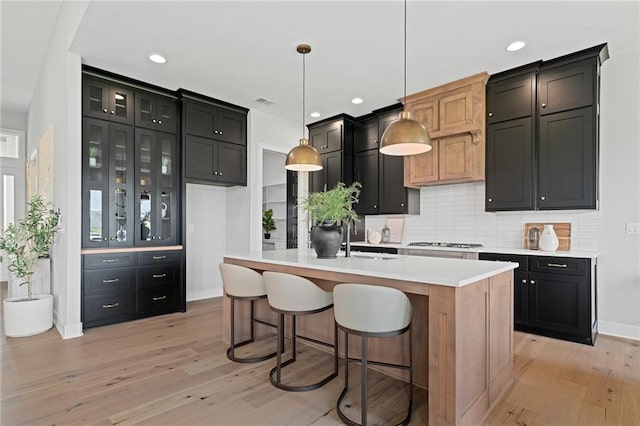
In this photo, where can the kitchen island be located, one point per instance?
(462, 320)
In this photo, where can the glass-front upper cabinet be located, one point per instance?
(107, 100)
(156, 188)
(107, 169)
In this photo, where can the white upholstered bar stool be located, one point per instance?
(371, 311)
(242, 283)
(293, 295)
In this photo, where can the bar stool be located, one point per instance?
(371, 311)
(242, 283)
(293, 295)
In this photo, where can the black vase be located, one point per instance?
(326, 240)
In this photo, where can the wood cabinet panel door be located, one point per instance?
(231, 127)
(199, 120)
(567, 156)
(393, 194)
(366, 135)
(421, 169)
(455, 158)
(456, 110)
(426, 111)
(199, 153)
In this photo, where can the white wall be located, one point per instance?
(57, 105)
(13, 119)
(205, 240)
(266, 132)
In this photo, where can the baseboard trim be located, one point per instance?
(619, 330)
(67, 331)
(206, 294)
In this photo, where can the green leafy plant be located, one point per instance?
(334, 206)
(93, 151)
(29, 239)
(268, 224)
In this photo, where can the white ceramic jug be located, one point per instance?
(548, 239)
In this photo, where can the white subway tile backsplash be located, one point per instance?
(456, 213)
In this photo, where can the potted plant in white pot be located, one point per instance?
(22, 244)
(328, 211)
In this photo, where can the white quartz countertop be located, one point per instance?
(502, 250)
(428, 270)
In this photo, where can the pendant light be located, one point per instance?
(304, 157)
(405, 136)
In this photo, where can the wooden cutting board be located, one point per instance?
(562, 230)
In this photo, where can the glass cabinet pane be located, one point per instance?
(167, 160)
(96, 157)
(145, 165)
(96, 98)
(145, 215)
(145, 109)
(166, 216)
(120, 102)
(95, 215)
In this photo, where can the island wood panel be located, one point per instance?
(464, 346)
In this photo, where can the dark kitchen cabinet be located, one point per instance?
(119, 287)
(366, 172)
(215, 122)
(107, 100)
(215, 141)
(366, 134)
(554, 296)
(542, 143)
(156, 112)
(393, 196)
(156, 188)
(333, 138)
(107, 184)
(208, 161)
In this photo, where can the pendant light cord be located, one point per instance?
(405, 52)
(303, 92)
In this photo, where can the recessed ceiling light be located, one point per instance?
(157, 58)
(356, 101)
(315, 114)
(516, 45)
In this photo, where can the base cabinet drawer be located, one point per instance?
(108, 308)
(158, 298)
(108, 281)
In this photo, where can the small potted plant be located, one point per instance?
(93, 154)
(268, 224)
(328, 211)
(22, 244)
(165, 164)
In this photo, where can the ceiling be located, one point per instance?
(240, 51)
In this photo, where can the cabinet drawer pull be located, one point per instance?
(159, 257)
(110, 260)
(160, 122)
(524, 281)
(532, 282)
(112, 305)
(115, 280)
(153, 121)
(490, 114)
(159, 275)
(155, 299)
(557, 265)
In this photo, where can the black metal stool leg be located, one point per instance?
(231, 354)
(363, 380)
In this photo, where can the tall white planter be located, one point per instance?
(548, 239)
(28, 317)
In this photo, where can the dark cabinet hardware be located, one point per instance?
(112, 305)
(159, 257)
(155, 299)
(114, 280)
(557, 265)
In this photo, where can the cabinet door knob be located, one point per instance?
(375, 206)
(401, 204)
(376, 142)
(490, 200)
(524, 281)
(215, 131)
(490, 114)
(544, 105)
(220, 173)
(112, 238)
(105, 110)
(160, 122)
(543, 198)
(532, 282)
(153, 120)
(105, 238)
(215, 173)
(112, 112)
(220, 131)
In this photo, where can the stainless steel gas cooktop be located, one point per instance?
(443, 244)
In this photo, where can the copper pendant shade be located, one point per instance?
(405, 136)
(304, 157)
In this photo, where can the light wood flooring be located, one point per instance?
(172, 370)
